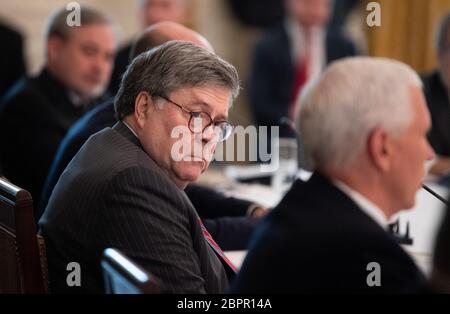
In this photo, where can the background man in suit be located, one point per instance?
(440, 278)
(149, 12)
(230, 221)
(437, 87)
(11, 58)
(124, 188)
(37, 113)
(288, 56)
(364, 125)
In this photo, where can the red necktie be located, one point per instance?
(216, 247)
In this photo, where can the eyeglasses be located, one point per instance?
(199, 121)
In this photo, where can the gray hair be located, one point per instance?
(338, 111)
(169, 67)
(442, 33)
(57, 23)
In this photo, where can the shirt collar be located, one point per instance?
(296, 35)
(369, 208)
(129, 127)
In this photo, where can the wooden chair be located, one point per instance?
(23, 265)
(122, 276)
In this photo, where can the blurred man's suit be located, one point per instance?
(272, 78)
(318, 240)
(34, 117)
(111, 167)
(441, 256)
(224, 217)
(12, 62)
(439, 105)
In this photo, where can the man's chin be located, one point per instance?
(191, 170)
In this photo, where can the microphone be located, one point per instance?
(443, 200)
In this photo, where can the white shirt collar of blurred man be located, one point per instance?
(296, 37)
(369, 208)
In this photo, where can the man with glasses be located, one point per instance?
(124, 188)
(230, 221)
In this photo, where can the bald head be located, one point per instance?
(163, 32)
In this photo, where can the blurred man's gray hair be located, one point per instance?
(169, 67)
(57, 22)
(353, 96)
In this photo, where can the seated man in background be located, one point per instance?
(288, 56)
(230, 221)
(149, 12)
(437, 88)
(124, 188)
(364, 126)
(37, 112)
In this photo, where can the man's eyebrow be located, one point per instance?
(206, 108)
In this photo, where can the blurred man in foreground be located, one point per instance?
(364, 126)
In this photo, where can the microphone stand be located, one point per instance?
(443, 200)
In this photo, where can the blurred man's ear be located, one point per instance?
(54, 47)
(379, 149)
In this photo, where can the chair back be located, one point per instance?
(23, 267)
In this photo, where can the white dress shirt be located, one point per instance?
(296, 37)
(369, 208)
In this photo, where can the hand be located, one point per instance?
(259, 212)
(441, 166)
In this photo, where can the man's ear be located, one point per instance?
(54, 47)
(379, 149)
(142, 105)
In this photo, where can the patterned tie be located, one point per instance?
(216, 247)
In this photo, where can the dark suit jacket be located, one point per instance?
(120, 66)
(34, 117)
(318, 240)
(273, 74)
(12, 63)
(442, 247)
(224, 217)
(112, 194)
(439, 106)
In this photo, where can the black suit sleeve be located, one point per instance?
(265, 104)
(11, 60)
(212, 204)
(232, 233)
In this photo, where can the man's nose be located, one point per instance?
(209, 134)
(431, 153)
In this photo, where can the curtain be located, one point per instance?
(407, 31)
